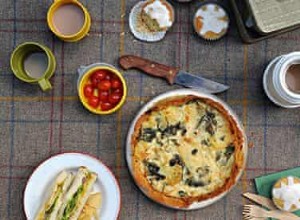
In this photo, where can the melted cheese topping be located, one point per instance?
(185, 150)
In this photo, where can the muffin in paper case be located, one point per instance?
(139, 29)
(211, 21)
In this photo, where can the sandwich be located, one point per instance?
(69, 195)
(77, 195)
(51, 207)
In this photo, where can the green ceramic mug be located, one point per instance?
(18, 59)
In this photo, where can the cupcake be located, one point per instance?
(211, 21)
(158, 15)
(149, 20)
(286, 194)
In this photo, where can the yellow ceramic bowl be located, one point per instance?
(69, 38)
(85, 78)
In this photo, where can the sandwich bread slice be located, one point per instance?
(77, 195)
(51, 207)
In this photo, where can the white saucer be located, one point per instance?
(39, 183)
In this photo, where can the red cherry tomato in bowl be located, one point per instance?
(114, 98)
(116, 83)
(118, 91)
(88, 90)
(108, 77)
(104, 85)
(103, 96)
(97, 76)
(94, 82)
(105, 106)
(93, 101)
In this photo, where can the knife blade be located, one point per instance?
(171, 74)
(265, 202)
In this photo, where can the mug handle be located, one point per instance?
(81, 70)
(45, 84)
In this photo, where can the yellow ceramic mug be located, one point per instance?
(58, 5)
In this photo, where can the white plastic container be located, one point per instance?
(274, 81)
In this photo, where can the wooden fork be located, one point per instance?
(252, 211)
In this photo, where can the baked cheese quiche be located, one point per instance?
(186, 149)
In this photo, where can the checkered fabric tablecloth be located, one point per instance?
(35, 125)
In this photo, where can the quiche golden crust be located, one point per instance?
(186, 149)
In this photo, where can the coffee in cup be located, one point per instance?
(33, 63)
(292, 78)
(282, 80)
(36, 64)
(69, 20)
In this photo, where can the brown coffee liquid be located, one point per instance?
(68, 19)
(292, 78)
(36, 64)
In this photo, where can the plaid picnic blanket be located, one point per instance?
(35, 125)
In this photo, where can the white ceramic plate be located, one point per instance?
(182, 92)
(37, 188)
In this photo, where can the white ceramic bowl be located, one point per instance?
(181, 92)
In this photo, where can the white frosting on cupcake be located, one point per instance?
(289, 194)
(211, 16)
(159, 12)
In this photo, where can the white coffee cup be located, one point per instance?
(275, 84)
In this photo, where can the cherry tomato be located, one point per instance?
(95, 82)
(114, 98)
(97, 76)
(104, 85)
(116, 83)
(103, 96)
(88, 90)
(108, 77)
(118, 91)
(105, 106)
(93, 101)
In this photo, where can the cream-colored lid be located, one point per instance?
(158, 11)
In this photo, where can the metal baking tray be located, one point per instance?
(274, 15)
(242, 12)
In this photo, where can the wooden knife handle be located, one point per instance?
(149, 67)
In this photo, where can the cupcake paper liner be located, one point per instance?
(212, 39)
(138, 29)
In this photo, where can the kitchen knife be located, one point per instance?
(171, 74)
